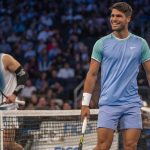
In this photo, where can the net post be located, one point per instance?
(1, 130)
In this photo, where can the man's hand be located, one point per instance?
(10, 99)
(85, 112)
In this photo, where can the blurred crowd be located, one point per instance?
(53, 40)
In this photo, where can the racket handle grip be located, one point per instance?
(20, 102)
(84, 125)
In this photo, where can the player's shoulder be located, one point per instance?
(7, 58)
(2, 55)
(138, 38)
(104, 38)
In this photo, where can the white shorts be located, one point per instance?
(9, 122)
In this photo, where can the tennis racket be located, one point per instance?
(16, 101)
(83, 132)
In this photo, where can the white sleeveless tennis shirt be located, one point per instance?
(8, 83)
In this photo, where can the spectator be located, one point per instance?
(31, 104)
(42, 103)
(28, 89)
(66, 72)
(67, 106)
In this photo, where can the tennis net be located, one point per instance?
(60, 130)
(50, 130)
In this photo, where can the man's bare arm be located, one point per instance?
(91, 76)
(14, 66)
(89, 87)
(10, 63)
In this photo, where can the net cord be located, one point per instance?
(45, 112)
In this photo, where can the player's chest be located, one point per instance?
(122, 50)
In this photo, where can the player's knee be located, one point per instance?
(19, 147)
(130, 145)
(12, 146)
(95, 148)
(103, 145)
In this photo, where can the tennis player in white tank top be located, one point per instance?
(12, 80)
(8, 84)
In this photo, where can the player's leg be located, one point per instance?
(9, 140)
(107, 123)
(104, 138)
(131, 125)
(9, 133)
(130, 138)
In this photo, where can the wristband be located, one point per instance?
(86, 99)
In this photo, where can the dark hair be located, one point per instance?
(123, 7)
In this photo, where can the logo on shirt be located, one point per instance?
(132, 47)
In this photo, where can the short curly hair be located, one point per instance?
(123, 7)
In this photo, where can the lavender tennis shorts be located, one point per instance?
(122, 117)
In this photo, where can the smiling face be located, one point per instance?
(119, 21)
